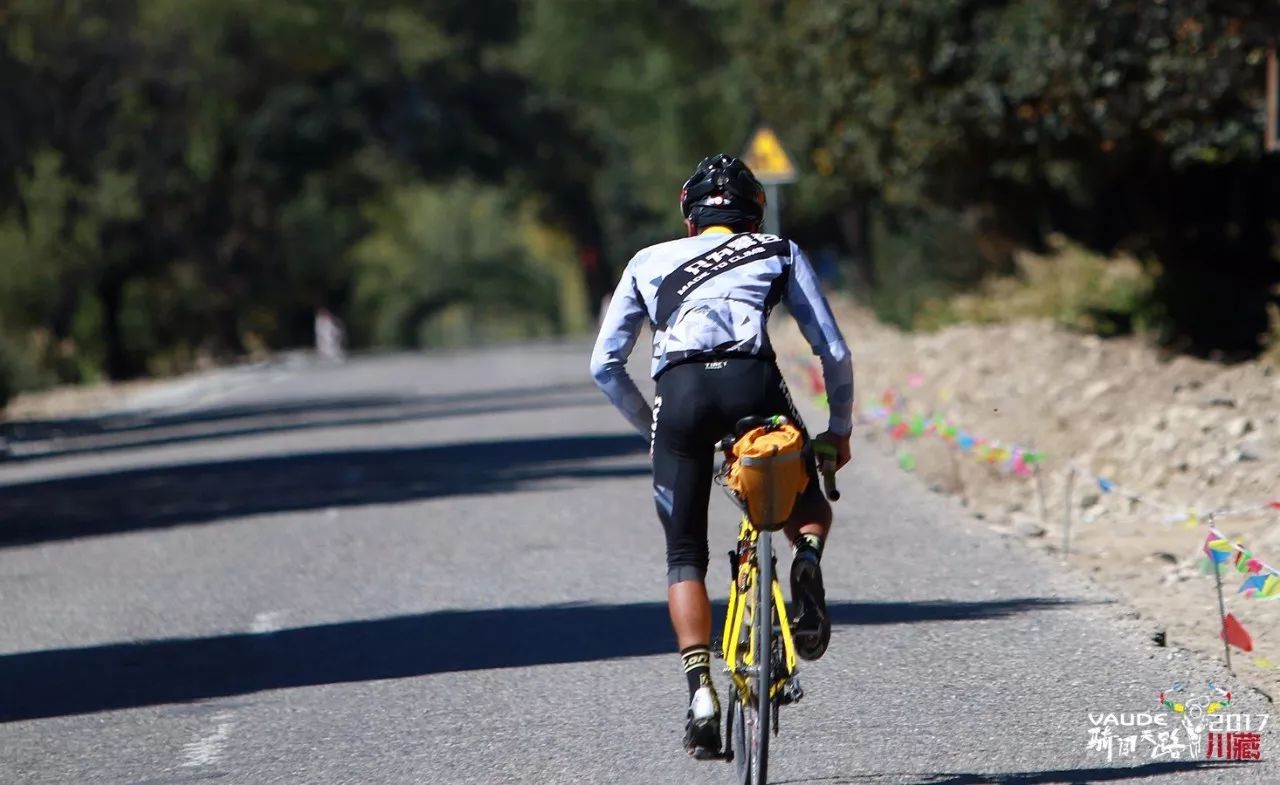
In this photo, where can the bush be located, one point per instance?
(1070, 285)
(462, 263)
(922, 256)
(18, 370)
(7, 382)
(1271, 338)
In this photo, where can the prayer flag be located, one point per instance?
(1234, 633)
(1217, 549)
(1252, 585)
(1242, 559)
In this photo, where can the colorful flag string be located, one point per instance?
(1177, 513)
(891, 413)
(1107, 486)
(1261, 581)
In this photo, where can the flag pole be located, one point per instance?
(1066, 513)
(1222, 612)
(956, 477)
(1039, 480)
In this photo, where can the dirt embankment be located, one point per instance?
(74, 401)
(1182, 433)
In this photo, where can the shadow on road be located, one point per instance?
(154, 497)
(938, 610)
(33, 440)
(1047, 777)
(118, 676)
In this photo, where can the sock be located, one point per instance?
(697, 666)
(808, 544)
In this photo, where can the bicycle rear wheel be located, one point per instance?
(764, 661)
(749, 732)
(740, 733)
(750, 714)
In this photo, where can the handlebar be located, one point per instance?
(827, 468)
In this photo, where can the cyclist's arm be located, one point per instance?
(809, 307)
(617, 337)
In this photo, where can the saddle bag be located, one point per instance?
(768, 474)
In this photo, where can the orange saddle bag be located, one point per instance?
(768, 474)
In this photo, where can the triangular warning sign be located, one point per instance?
(767, 159)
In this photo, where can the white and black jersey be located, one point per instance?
(710, 297)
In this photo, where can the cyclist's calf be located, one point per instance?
(812, 515)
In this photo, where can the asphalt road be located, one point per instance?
(447, 568)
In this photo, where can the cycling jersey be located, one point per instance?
(708, 297)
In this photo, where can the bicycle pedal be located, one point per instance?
(792, 692)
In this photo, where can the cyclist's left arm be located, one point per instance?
(808, 306)
(618, 332)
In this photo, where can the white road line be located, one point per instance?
(266, 623)
(208, 750)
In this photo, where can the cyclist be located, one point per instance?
(708, 297)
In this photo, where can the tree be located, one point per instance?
(1124, 123)
(656, 88)
(189, 180)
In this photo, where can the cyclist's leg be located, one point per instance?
(807, 529)
(683, 465)
(812, 513)
(811, 516)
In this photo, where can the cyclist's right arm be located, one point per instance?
(813, 315)
(618, 332)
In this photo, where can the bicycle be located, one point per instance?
(757, 654)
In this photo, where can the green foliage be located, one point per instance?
(944, 101)
(19, 368)
(919, 256)
(1122, 124)
(656, 88)
(1071, 286)
(191, 180)
(459, 263)
(1271, 338)
(46, 258)
(9, 372)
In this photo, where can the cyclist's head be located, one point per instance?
(722, 192)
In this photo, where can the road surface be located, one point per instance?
(447, 568)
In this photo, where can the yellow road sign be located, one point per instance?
(767, 159)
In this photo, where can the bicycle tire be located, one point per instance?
(741, 743)
(764, 660)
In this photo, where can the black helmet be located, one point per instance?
(723, 186)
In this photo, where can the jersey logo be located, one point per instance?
(733, 253)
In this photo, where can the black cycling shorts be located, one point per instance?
(696, 405)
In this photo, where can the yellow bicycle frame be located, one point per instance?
(740, 610)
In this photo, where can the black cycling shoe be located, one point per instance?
(702, 728)
(810, 625)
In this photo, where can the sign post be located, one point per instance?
(773, 169)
